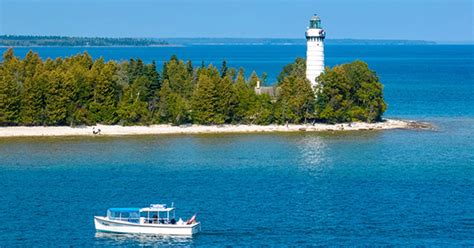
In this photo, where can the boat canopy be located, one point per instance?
(157, 208)
(152, 208)
(124, 210)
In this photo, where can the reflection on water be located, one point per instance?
(143, 239)
(313, 153)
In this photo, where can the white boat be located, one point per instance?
(156, 219)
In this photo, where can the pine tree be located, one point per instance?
(295, 103)
(165, 95)
(103, 105)
(253, 80)
(33, 99)
(244, 99)
(203, 101)
(57, 98)
(224, 100)
(224, 69)
(133, 107)
(10, 83)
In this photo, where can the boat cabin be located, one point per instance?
(155, 214)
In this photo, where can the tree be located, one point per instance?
(57, 98)
(33, 99)
(204, 100)
(295, 102)
(10, 83)
(133, 107)
(224, 101)
(297, 68)
(350, 92)
(179, 76)
(253, 80)
(224, 69)
(103, 105)
(172, 107)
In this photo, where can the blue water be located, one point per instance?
(398, 187)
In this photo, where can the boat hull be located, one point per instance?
(102, 224)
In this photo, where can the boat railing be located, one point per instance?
(152, 220)
(127, 219)
(144, 220)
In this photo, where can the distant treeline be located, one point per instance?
(289, 41)
(78, 90)
(20, 40)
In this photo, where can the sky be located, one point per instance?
(434, 20)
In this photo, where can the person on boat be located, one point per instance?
(155, 218)
(192, 220)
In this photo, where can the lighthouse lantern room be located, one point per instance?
(314, 49)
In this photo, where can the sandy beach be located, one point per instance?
(116, 130)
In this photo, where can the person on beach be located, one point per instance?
(95, 131)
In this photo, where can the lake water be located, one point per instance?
(398, 187)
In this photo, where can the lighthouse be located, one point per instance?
(314, 49)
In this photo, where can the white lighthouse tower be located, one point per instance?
(314, 49)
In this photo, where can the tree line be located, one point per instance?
(79, 90)
(32, 40)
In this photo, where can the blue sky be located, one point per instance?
(438, 20)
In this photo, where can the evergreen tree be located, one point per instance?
(172, 107)
(180, 78)
(103, 105)
(165, 96)
(10, 83)
(297, 69)
(253, 80)
(224, 101)
(224, 69)
(133, 107)
(33, 99)
(295, 102)
(57, 99)
(245, 98)
(204, 97)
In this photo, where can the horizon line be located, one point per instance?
(249, 38)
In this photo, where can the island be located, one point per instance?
(66, 41)
(78, 95)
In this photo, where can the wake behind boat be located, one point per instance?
(156, 219)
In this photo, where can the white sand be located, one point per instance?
(115, 130)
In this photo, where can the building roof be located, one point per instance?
(315, 17)
(270, 90)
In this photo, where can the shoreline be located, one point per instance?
(116, 130)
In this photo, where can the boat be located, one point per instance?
(155, 219)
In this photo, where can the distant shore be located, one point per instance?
(116, 130)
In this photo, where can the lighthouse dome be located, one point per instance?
(315, 22)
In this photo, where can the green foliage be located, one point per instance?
(78, 90)
(350, 92)
(297, 69)
(103, 105)
(208, 102)
(295, 103)
(29, 40)
(10, 85)
(296, 100)
(173, 108)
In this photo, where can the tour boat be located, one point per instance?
(155, 219)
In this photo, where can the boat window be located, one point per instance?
(163, 215)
